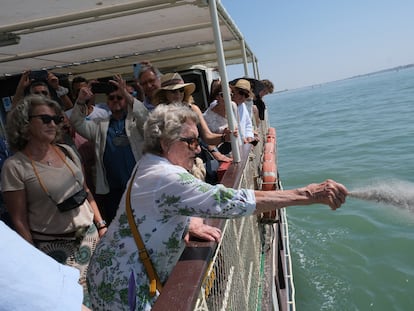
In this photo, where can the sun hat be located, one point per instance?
(170, 82)
(243, 85)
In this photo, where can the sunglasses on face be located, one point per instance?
(241, 93)
(192, 142)
(112, 97)
(46, 119)
(181, 90)
(44, 93)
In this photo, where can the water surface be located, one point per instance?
(359, 132)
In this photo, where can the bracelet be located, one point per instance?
(101, 224)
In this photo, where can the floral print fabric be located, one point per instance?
(163, 197)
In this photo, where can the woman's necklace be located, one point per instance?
(48, 161)
(41, 180)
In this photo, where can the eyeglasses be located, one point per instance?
(241, 93)
(181, 90)
(46, 119)
(44, 93)
(192, 142)
(112, 97)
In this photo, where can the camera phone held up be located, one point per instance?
(103, 88)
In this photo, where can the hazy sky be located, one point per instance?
(306, 42)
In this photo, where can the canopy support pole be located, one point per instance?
(235, 148)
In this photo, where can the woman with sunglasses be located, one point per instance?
(241, 92)
(43, 187)
(163, 195)
(174, 90)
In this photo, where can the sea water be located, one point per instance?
(359, 132)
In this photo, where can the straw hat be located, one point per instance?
(243, 85)
(170, 82)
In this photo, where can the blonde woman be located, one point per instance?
(44, 187)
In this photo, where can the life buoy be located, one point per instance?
(269, 175)
(269, 152)
(270, 156)
(269, 148)
(270, 138)
(269, 183)
(271, 135)
(271, 131)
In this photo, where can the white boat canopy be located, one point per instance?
(96, 38)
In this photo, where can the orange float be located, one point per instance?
(269, 152)
(270, 138)
(269, 172)
(269, 175)
(270, 156)
(271, 131)
(269, 148)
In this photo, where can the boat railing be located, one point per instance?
(245, 271)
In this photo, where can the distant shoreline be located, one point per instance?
(381, 71)
(353, 77)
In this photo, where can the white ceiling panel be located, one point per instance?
(99, 38)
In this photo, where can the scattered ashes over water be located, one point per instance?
(390, 192)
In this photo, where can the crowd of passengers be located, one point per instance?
(71, 166)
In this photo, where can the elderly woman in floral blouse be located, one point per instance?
(163, 197)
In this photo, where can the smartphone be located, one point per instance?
(103, 87)
(7, 103)
(137, 68)
(38, 75)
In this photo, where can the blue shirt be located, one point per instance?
(118, 157)
(147, 103)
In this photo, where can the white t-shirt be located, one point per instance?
(98, 112)
(245, 121)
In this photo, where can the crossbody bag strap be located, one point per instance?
(40, 179)
(155, 282)
(66, 152)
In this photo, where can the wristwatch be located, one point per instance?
(101, 224)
